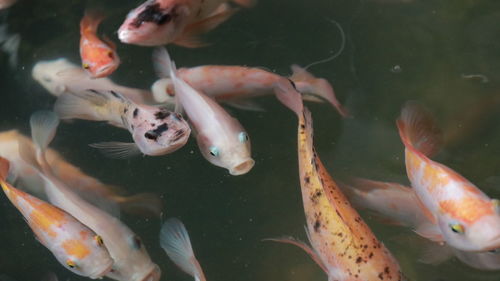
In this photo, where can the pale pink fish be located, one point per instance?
(160, 22)
(468, 219)
(221, 138)
(155, 130)
(73, 244)
(131, 260)
(236, 85)
(60, 76)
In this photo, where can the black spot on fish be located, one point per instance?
(293, 83)
(161, 129)
(179, 134)
(153, 13)
(125, 110)
(154, 134)
(316, 226)
(115, 94)
(359, 260)
(136, 111)
(307, 179)
(151, 135)
(381, 276)
(162, 114)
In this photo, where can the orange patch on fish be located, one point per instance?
(75, 248)
(467, 209)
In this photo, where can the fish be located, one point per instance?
(467, 218)
(60, 76)
(342, 243)
(9, 43)
(89, 188)
(131, 259)
(99, 58)
(74, 245)
(161, 22)
(174, 239)
(155, 130)
(4, 4)
(221, 139)
(237, 85)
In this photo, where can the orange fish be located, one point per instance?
(98, 58)
(73, 244)
(468, 219)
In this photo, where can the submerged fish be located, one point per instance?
(221, 138)
(98, 58)
(160, 22)
(73, 244)
(4, 4)
(236, 85)
(131, 260)
(9, 43)
(60, 76)
(174, 239)
(156, 131)
(468, 219)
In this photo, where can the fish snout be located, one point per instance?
(242, 168)
(102, 270)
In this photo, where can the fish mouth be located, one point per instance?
(98, 274)
(242, 168)
(125, 35)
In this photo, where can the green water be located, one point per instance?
(394, 52)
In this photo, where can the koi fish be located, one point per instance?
(98, 58)
(235, 85)
(161, 22)
(467, 218)
(73, 244)
(342, 244)
(221, 138)
(60, 76)
(174, 239)
(156, 131)
(131, 260)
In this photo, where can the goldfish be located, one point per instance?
(467, 218)
(236, 85)
(221, 138)
(131, 260)
(60, 76)
(155, 130)
(174, 239)
(73, 244)
(98, 58)
(161, 22)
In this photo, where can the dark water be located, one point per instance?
(395, 51)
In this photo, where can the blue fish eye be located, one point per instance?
(243, 137)
(214, 151)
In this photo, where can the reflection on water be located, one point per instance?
(395, 51)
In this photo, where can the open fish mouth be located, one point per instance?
(242, 168)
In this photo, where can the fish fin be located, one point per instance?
(370, 185)
(435, 253)
(4, 168)
(427, 213)
(308, 84)
(81, 106)
(49, 276)
(430, 231)
(174, 239)
(310, 251)
(101, 202)
(165, 67)
(288, 95)
(418, 129)
(245, 3)
(311, 98)
(43, 128)
(11, 47)
(117, 150)
(144, 204)
(245, 104)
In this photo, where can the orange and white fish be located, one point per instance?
(342, 243)
(160, 22)
(236, 85)
(467, 218)
(98, 58)
(73, 244)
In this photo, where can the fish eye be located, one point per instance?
(70, 263)
(86, 65)
(47, 79)
(243, 137)
(496, 205)
(162, 19)
(110, 54)
(137, 243)
(214, 151)
(457, 228)
(98, 240)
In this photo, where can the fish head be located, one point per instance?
(160, 131)
(99, 61)
(480, 234)
(163, 91)
(154, 23)
(48, 74)
(232, 152)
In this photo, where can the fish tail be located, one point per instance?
(288, 95)
(90, 21)
(174, 239)
(165, 67)
(308, 84)
(418, 130)
(43, 129)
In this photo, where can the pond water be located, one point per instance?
(445, 54)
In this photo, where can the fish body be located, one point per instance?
(4, 4)
(98, 58)
(468, 219)
(237, 84)
(221, 138)
(60, 76)
(73, 244)
(156, 131)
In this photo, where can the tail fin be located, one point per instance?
(307, 84)
(174, 239)
(90, 21)
(4, 168)
(288, 95)
(84, 105)
(165, 67)
(43, 128)
(418, 130)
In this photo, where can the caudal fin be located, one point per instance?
(174, 239)
(88, 105)
(418, 130)
(90, 21)
(43, 128)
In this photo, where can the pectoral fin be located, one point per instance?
(117, 150)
